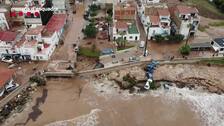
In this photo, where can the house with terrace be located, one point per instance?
(37, 43)
(124, 23)
(186, 19)
(40, 42)
(156, 19)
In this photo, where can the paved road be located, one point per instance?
(73, 32)
(140, 63)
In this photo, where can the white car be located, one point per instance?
(11, 86)
(2, 92)
(7, 60)
(147, 85)
(142, 44)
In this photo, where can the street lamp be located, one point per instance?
(146, 41)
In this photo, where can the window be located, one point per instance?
(130, 37)
(222, 49)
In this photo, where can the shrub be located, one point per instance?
(153, 85)
(94, 13)
(159, 38)
(185, 49)
(39, 80)
(175, 38)
(130, 80)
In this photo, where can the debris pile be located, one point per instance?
(16, 105)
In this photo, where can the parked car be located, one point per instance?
(2, 92)
(7, 60)
(134, 59)
(114, 62)
(11, 86)
(76, 49)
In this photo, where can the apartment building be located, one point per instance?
(186, 19)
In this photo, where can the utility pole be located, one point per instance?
(146, 41)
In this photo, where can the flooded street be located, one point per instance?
(78, 102)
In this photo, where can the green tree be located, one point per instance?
(110, 12)
(185, 49)
(90, 31)
(219, 4)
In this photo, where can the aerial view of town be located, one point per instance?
(111, 62)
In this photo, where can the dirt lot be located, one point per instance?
(100, 44)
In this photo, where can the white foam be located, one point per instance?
(84, 120)
(209, 106)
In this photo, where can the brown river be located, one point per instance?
(80, 102)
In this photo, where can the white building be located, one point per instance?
(218, 45)
(124, 23)
(186, 19)
(128, 31)
(7, 42)
(37, 44)
(3, 19)
(156, 19)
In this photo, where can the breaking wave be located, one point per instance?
(84, 120)
(209, 106)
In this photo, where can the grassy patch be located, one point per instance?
(206, 9)
(123, 48)
(89, 52)
(217, 24)
(203, 28)
(214, 61)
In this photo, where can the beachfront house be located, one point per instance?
(186, 20)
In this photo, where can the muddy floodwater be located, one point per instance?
(65, 102)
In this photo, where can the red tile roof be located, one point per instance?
(121, 25)
(7, 36)
(154, 20)
(124, 12)
(163, 12)
(186, 9)
(56, 22)
(5, 75)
